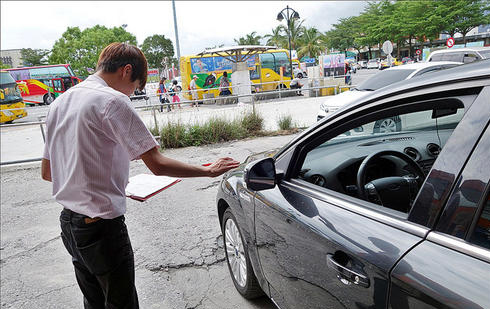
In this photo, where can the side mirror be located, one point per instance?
(260, 175)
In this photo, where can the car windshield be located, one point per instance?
(384, 78)
(412, 122)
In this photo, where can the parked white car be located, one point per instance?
(463, 55)
(373, 63)
(380, 80)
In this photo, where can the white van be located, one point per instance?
(463, 55)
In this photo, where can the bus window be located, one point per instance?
(39, 73)
(282, 60)
(58, 71)
(267, 61)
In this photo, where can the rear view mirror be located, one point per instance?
(260, 175)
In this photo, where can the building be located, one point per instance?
(11, 57)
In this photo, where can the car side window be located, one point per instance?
(384, 161)
(481, 233)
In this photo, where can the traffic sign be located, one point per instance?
(450, 42)
(387, 47)
(418, 52)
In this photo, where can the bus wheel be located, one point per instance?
(48, 98)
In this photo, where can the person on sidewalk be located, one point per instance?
(193, 89)
(224, 85)
(174, 93)
(93, 132)
(296, 84)
(162, 90)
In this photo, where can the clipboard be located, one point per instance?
(143, 186)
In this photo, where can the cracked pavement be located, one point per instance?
(179, 257)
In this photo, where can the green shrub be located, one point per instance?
(285, 122)
(252, 122)
(214, 130)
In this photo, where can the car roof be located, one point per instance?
(422, 65)
(454, 50)
(477, 70)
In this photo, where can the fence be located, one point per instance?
(217, 100)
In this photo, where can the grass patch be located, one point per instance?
(215, 130)
(285, 122)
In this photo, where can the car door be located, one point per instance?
(450, 269)
(323, 248)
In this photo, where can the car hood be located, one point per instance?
(345, 98)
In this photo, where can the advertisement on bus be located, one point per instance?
(43, 84)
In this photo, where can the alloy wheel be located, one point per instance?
(235, 252)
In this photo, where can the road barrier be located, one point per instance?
(230, 99)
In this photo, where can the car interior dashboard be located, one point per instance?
(335, 166)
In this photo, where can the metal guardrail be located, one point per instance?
(225, 99)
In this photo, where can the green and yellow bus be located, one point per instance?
(11, 104)
(264, 67)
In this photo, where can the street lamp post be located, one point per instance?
(288, 14)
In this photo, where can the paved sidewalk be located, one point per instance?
(19, 143)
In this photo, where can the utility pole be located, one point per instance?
(176, 32)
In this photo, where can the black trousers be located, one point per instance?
(103, 259)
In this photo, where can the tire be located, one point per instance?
(48, 98)
(300, 75)
(392, 124)
(179, 89)
(237, 258)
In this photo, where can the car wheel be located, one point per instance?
(300, 75)
(179, 89)
(237, 258)
(48, 98)
(388, 125)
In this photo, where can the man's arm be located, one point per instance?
(161, 165)
(46, 170)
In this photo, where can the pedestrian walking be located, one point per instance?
(162, 90)
(224, 85)
(93, 132)
(174, 93)
(193, 89)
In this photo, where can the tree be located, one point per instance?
(81, 49)
(32, 57)
(311, 43)
(463, 15)
(249, 39)
(156, 48)
(277, 37)
(296, 31)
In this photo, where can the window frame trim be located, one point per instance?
(459, 245)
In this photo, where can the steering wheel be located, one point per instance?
(394, 192)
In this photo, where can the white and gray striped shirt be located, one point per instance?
(92, 134)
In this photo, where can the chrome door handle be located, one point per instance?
(346, 275)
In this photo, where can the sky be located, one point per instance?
(201, 24)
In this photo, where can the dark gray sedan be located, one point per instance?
(345, 216)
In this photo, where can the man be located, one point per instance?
(296, 84)
(193, 88)
(92, 134)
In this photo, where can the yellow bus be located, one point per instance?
(263, 67)
(10, 98)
